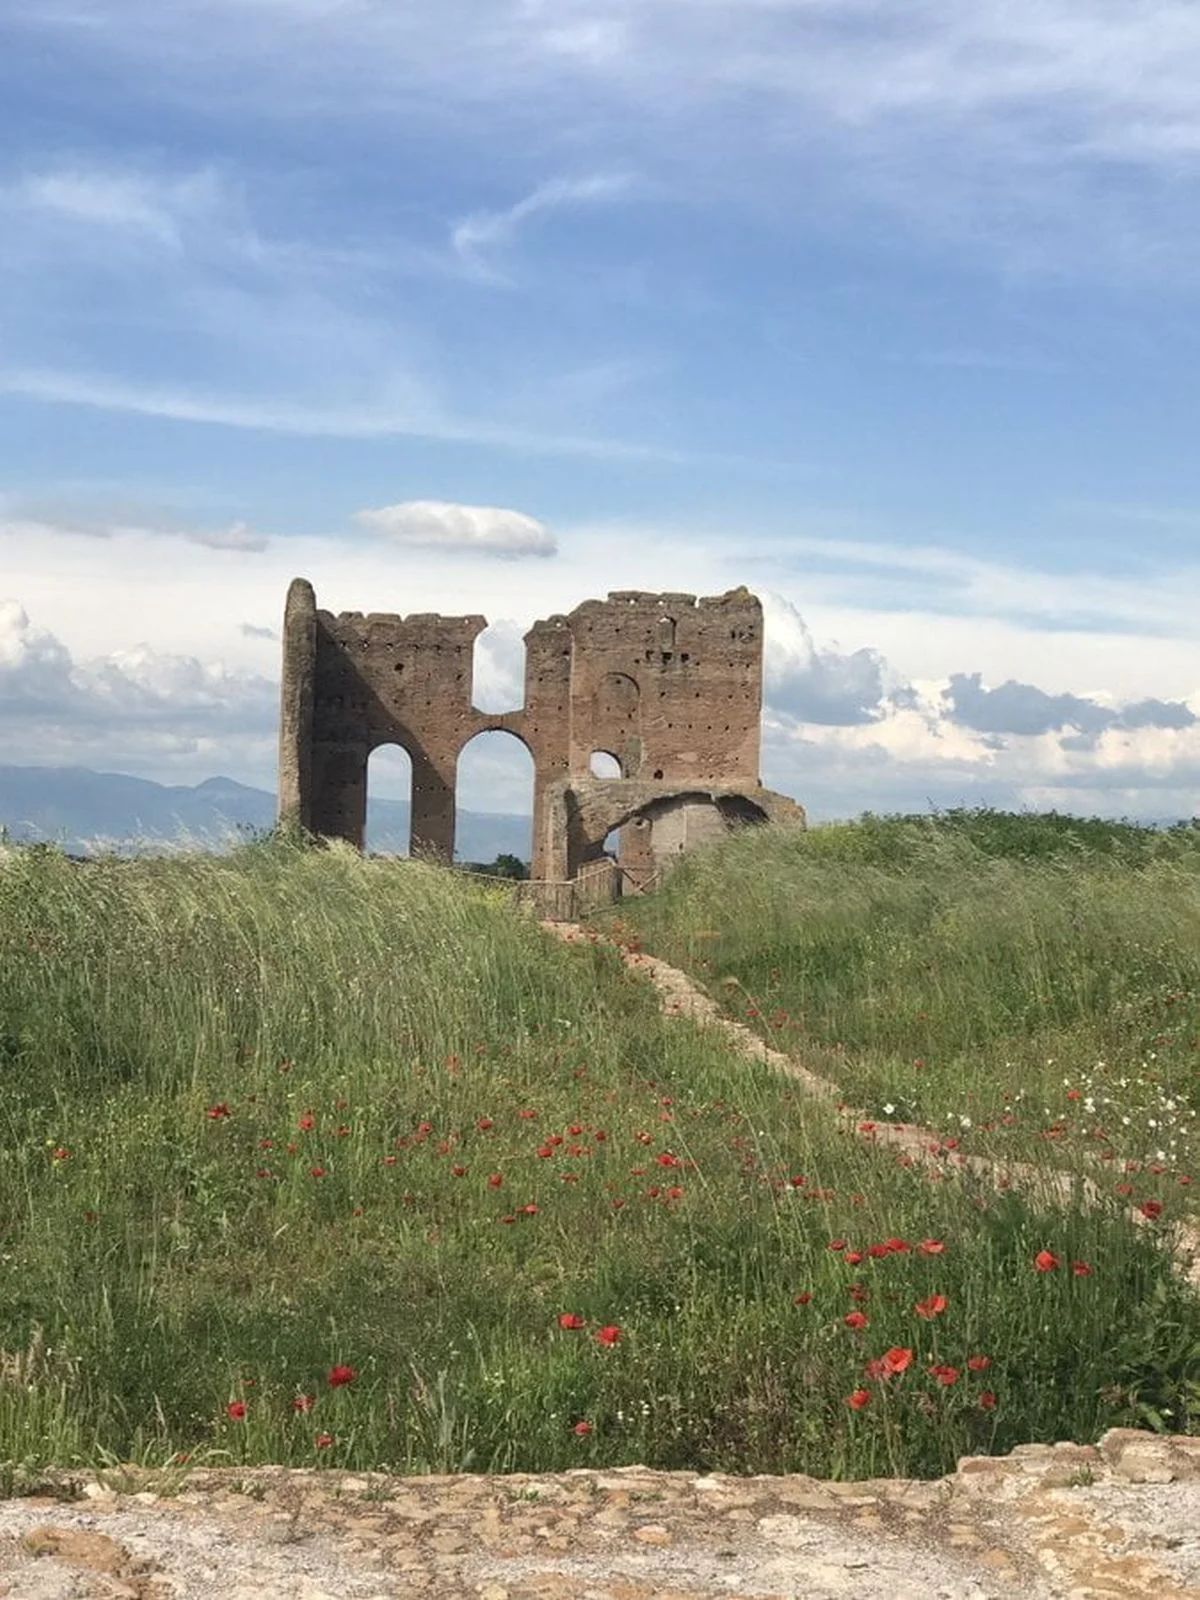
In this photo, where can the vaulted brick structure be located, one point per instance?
(667, 686)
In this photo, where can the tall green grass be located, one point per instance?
(270, 1115)
(1022, 984)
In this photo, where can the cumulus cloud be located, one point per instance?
(812, 684)
(499, 683)
(443, 525)
(1022, 708)
(139, 708)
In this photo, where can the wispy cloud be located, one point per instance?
(478, 237)
(366, 420)
(34, 520)
(998, 120)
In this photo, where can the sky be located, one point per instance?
(889, 312)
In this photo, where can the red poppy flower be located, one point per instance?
(390, 1161)
(484, 1124)
(581, 1430)
(878, 1251)
(307, 1122)
(575, 1129)
(859, 1400)
(979, 1363)
(932, 1247)
(1151, 1208)
(459, 1172)
(496, 1179)
(569, 1319)
(803, 1299)
(945, 1375)
(1081, 1269)
(217, 1112)
(236, 1410)
(527, 1116)
(837, 1244)
(856, 1319)
(316, 1172)
(987, 1401)
(1046, 1261)
(324, 1441)
(897, 1360)
(303, 1402)
(854, 1257)
(341, 1375)
(897, 1246)
(609, 1335)
(530, 1210)
(931, 1307)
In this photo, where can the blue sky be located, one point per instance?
(886, 311)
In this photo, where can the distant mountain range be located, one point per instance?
(83, 811)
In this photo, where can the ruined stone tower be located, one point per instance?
(668, 686)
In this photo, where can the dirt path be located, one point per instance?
(1118, 1519)
(682, 997)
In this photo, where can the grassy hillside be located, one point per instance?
(1027, 986)
(309, 1158)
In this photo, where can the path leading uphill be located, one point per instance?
(681, 997)
(1046, 1523)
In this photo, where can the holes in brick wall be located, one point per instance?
(603, 764)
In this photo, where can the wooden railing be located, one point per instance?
(599, 884)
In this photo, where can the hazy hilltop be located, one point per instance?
(78, 809)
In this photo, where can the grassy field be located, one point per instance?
(1025, 986)
(306, 1158)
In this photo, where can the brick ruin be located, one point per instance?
(668, 686)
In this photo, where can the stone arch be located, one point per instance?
(386, 830)
(487, 762)
(654, 827)
(617, 698)
(606, 766)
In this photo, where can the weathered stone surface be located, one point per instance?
(1010, 1527)
(668, 686)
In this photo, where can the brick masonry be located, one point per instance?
(667, 686)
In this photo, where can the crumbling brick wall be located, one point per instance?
(668, 685)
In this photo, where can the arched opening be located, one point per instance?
(494, 827)
(389, 802)
(603, 764)
(498, 669)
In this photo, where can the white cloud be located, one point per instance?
(814, 684)
(376, 417)
(903, 750)
(154, 208)
(34, 521)
(485, 232)
(1002, 122)
(442, 525)
(137, 709)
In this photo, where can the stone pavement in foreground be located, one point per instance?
(1079, 1521)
